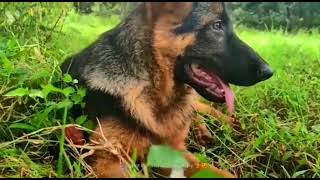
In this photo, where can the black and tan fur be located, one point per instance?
(134, 82)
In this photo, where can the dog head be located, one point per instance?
(199, 40)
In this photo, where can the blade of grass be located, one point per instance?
(61, 144)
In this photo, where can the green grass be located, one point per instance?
(82, 30)
(280, 118)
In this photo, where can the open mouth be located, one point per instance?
(212, 84)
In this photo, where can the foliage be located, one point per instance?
(276, 15)
(105, 8)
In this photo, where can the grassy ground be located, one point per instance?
(280, 118)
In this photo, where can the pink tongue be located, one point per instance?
(229, 96)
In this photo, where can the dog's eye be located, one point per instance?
(217, 25)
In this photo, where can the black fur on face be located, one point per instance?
(218, 50)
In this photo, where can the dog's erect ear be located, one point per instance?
(217, 7)
(162, 18)
(172, 12)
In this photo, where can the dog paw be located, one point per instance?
(202, 135)
(234, 122)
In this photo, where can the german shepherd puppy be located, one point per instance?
(142, 77)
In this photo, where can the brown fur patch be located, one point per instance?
(106, 164)
(174, 11)
(167, 46)
(201, 133)
(217, 7)
(161, 119)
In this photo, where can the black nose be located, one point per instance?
(265, 73)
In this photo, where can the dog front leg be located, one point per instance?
(207, 109)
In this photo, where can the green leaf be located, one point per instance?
(76, 98)
(36, 93)
(89, 125)
(287, 155)
(40, 74)
(65, 103)
(22, 126)
(67, 78)
(75, 81)
(134, 172)
(6, 64)
(81, 92)
(316, 128)
(80, 120)
(206, 173)
(68, 90)
(166, 157)
(134, 157)
(77, 168)
(10, 18)
(296, 174)
(48, 88)
(19, 92)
